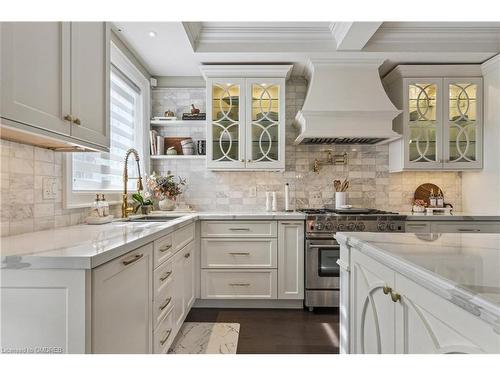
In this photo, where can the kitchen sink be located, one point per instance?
(152, 218)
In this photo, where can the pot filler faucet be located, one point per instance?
(125, 207)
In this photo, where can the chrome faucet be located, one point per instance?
(125, 207)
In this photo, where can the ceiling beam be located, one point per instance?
(353, 36)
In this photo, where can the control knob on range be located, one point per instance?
(351, 227)
(392, 227)
(381, 226)
(319, 226)
(361, 227)
(329, 226)
(340, 227)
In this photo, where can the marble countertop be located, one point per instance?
(455, 216)
(464, 268)
(88, 246)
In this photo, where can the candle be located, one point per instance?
(287, 203)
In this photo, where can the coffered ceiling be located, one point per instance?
(179, 48)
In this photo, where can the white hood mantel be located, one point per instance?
(345, 104)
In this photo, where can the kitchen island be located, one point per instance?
(420, 292)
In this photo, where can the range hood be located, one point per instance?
(345, 104)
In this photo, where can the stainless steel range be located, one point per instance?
(323, 251)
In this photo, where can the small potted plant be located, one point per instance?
(144, 203)
(166, 189)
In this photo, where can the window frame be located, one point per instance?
(75, 199)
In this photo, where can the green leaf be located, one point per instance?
(138, 198)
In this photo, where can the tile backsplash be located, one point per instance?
(22, 206)
(368, 168)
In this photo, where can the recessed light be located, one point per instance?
(152, 34)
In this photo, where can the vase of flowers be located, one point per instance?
(166, 189)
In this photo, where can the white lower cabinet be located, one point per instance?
(239, 284)
(389, 313)
(121, 303)
(252, 260)
(291, 259)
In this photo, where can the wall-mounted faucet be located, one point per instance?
(331, 159)
(125, 207)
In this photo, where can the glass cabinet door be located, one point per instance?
(463, 125)
(226, 123)
(265, 118)
(423, 121)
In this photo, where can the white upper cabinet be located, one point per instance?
(246, 116)
(441, 121)
(90, 82)
(55, 82)
(35, 74)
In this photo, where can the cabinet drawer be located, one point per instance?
(163, 303)
(183, 236)
(163, 249)
(164, 335)
(236, 228)
(417, 227)
(244, 253)
(162, 277)
(474, 227)
(238, 284)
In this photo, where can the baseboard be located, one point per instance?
(249, 304)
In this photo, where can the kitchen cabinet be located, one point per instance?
(246, 117)
(55, 82)
(291, 259)
(122, 303)
(456, 226)
(252, 260)
(441, 120)
(389, 313)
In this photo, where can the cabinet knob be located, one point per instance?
(387, 290)
(187, 255)
(249, 160)
(68, 118)
(77, 121)
(242, 160)
(395, 297)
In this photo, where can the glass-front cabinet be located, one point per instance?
(246, 118)
(441, 121)
(227, 123)
(423, 123)
(265, 120)
(462, 133)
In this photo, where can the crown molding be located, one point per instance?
(193, 30)
(490, 65)
(430, 70)
(339, 60)
(247, 71)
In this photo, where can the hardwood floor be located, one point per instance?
(278, 331)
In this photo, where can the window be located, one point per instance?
(92, 172)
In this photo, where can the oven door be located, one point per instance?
(322, 270)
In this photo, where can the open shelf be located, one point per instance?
(177, 157)
(178, 122)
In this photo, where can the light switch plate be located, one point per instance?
(49, 188)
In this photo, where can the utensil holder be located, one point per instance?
(340, 199)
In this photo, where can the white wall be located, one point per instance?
(481, 190)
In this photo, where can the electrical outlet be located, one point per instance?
(252, 192)
(49, 188)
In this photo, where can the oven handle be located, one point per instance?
(325, 246)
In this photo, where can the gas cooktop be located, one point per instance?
(346, 211)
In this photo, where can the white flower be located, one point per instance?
(147, 195)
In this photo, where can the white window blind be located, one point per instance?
(103, 171)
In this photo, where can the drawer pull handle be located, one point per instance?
(165, 248)
(239, 284)
(395, 297)
(135, 258)
(240, 253)
(77, 121)
(164, 340)
(469, 230)
(187, 255)
(245, 229)
(387, 290)
(166, 276)
(165, 304)
(68, 118)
